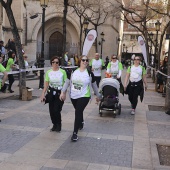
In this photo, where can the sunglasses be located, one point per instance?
(87, 60)
(137, 59)
(113, 58)
(56, 62)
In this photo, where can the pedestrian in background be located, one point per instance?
(72, 60)
(66, 58)
(54, 80)
(76, 59)
(115, 69)
(4, 77)
(2, 48)
(96, 66)
(137, 76)
(9, 67)
(80, 81)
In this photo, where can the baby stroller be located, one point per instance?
(110, 96)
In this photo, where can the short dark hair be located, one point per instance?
(53, 58)
(114, 56)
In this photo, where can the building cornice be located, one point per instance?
(8, 29)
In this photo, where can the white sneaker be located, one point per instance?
(133, 112)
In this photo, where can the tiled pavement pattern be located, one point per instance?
(97, 150)
(124, 143)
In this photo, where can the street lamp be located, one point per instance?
(150, 53)
(85, 25)
(44, 4)
(40, 60)
(157, 27)
(101, 42)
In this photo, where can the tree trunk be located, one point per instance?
(95, 26)
(14, 29)
(64, 27)
(167, 98)
(81, 31)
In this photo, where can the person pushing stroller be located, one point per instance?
(114, 70)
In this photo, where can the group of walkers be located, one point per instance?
(80, 83)
(9, 62)
(72, 61)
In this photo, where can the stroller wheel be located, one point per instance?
(119, 109)
(100, 112)
(114, 115)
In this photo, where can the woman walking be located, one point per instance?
(115, 69)
(54, 80)
(80, 82)
(9, 67)
(137, 75)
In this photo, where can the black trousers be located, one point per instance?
(55, 107)
(79, 105)
(97, 78)
(133, 94)
(11, 80)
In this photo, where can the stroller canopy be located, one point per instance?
(111, 82)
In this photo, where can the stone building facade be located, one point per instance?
(31, 29)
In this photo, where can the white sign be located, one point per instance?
(143, 48)
(89, 40)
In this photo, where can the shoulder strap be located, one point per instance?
(89, 72)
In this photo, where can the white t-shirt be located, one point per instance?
(97, 65)
(136, 73)
(80, 84)
(56, 78)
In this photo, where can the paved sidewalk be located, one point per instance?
(124, 143)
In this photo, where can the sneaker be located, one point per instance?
(82, 126)
(74, 137)
(133, 112)
(53, 128)
(0, 120)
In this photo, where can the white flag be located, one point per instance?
(143, 48)
(89, 40)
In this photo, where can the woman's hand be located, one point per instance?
(97, 100)
(42, 97)
(62, 96)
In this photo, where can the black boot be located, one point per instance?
(168, 112)
(53, 128)
(58, 129)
